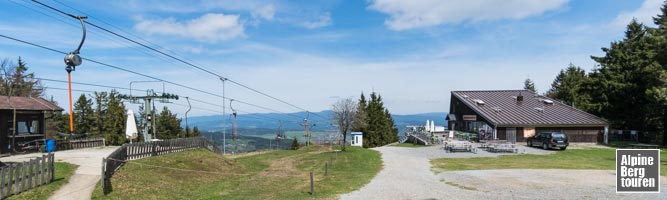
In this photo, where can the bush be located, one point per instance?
(295, 144)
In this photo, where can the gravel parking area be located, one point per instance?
(407, 174)
(544, 184)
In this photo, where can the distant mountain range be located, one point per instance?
(264, 122)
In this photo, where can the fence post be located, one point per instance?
(326, 168)
(24, 182)
(154, 147)
(104, 176)
(2, 183)
(312, 192)
(10, 179)
(52, 167)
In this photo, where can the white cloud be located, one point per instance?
(405, 15)
(265, 12)
(321, 21)
(211, 27)
(644, 14)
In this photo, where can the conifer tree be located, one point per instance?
(16, 81)
(528, 84)
(168, 125)
(83, 115)
(115, 119)
(567, 87)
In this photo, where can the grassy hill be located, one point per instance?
(200, 174)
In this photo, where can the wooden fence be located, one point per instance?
(18, 177)
(140, 150)
(67, 144)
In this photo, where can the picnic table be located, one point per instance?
(643, 146)
(503, 148)
(463, 147)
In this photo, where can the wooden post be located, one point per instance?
(30, 174)
(326, 168)
(2, 182)
(154, 148)
(52, 167)
(104, 176)
(10, 180)
(23, 174)
(312, 192)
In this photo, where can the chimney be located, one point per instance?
(520, 97)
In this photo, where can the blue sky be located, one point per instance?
(311, 53)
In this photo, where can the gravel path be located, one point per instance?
(407, 175)
(86, 176)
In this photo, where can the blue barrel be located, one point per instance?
(50, 145)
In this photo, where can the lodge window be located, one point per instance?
(26, 125)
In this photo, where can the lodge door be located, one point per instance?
(511, 135)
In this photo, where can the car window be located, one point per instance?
(558, 135)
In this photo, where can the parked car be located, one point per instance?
(548, 140)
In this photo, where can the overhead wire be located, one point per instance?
(179, 59)
(144, 75)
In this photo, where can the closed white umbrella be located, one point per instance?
(432, 126)
(428, 125)
(131, 126)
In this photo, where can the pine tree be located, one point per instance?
(83, 115)
(567, 86)
(629, 78)
(380, 129)
(361, 117)
(295, 144)
(101, 100)
(658, 39)
(195, 132)
(528, 84)
(115, 118)
(17, 81)
(168, 125)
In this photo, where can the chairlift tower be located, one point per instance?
(149, 99)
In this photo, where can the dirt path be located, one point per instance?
(407, 175)
(82, 183)
(86, 176)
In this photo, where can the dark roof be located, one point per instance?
(27, 103)
(501, 108)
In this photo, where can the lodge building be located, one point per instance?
(22, 121)
(515, 115)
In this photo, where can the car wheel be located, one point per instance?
(530, 143)
(563, 148)
(545, 146)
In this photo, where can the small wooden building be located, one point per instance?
(515, 115)
(357, 139)
(22, 121)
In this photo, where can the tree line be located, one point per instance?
(367, 116)
(629, 85)
(98, 114)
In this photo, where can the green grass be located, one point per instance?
(272, 175)
(63, 172)
(594, 158)
(408, 144)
